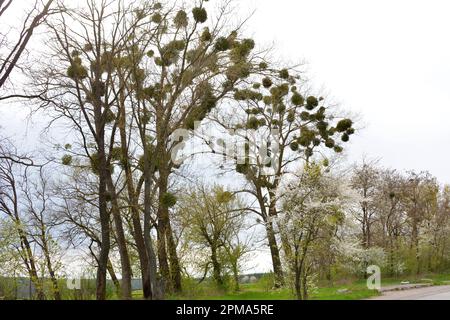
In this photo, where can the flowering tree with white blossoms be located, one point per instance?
(313, 209)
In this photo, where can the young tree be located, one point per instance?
(37, 206)
(389, 207)
(365, 180)
(12, 175)
(420, 196)
(313, 209)
(213, 219)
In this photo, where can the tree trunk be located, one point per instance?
(415, 243)
(32, 266)
(114, 279)
(164, 239)
(272, 240)
(236, 276)
(216, 268)
(175, 268)
(134, 203)
(56, 292)
(275, 254)
(103, 210)
(297, 279)
(156, 288)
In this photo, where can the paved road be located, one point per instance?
(429, 293)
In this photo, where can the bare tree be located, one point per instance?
(11, 177)
(15, 48)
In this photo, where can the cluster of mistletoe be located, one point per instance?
(304, 123)
(197, 58)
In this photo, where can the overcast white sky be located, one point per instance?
(387, 60)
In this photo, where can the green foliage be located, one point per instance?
(157, 18)
(263, 65)
(168, 200)
(241, 50)
(206, 35)
(338, 149)
(242, 168)
(294, 146)
(284, 74)
(77, 71)
(330, 143)
(66, 160)
(345, 137)
(95, 163)
(222, 44)
(344, 125)
(88, 47)
(253, 123)
(304, 116)
(291, 116)
(247, 94)
(170, 53)
(297, 99)
(238, 71)
(98, 89)
(267, 82)
(223, 197)
(181, 19)
(208, 102)
(311, 103)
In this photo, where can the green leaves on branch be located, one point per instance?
(77, 71)
(297, 99)
(224, 196)
(222, 44)
(206, 35)
(171, 53)
(181, 19)
(284, 74)
(208, 102)
(67, 160)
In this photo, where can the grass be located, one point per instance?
(354, 290)
(258, 291)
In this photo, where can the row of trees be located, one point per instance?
(406, 215)
(132, 83)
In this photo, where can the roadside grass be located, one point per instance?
(258, 291)
(345, 289)
(435, 279)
